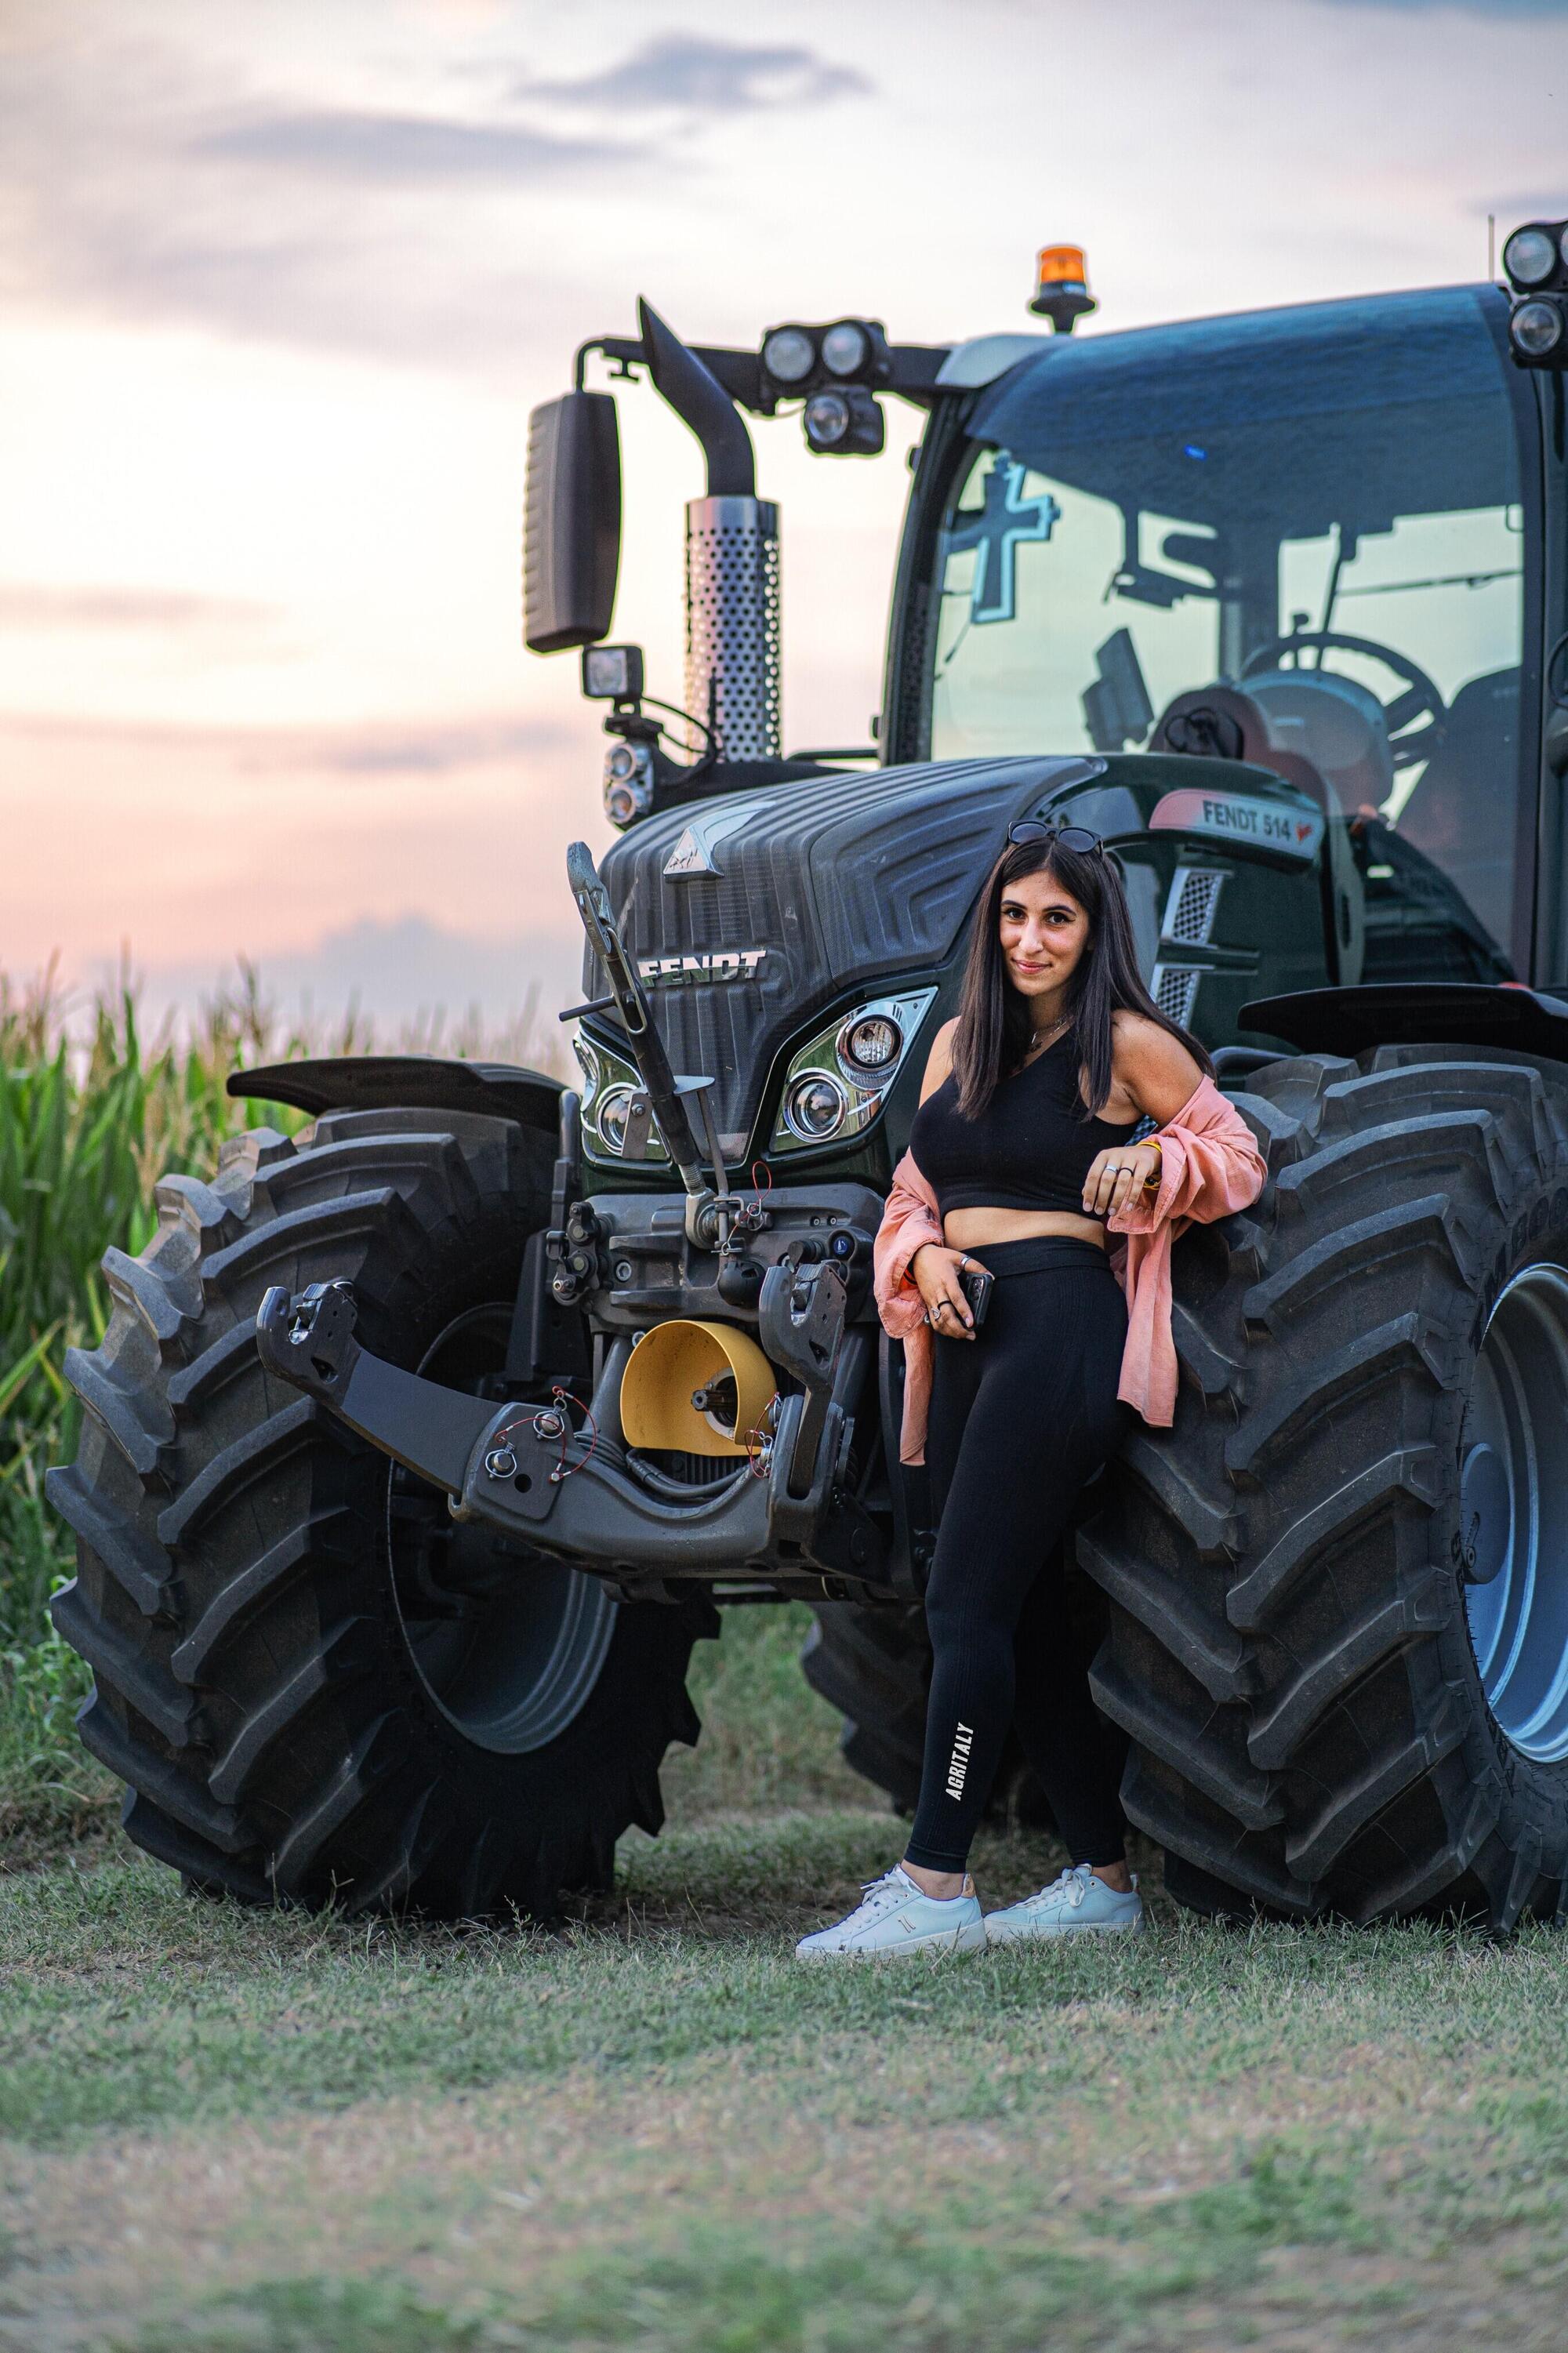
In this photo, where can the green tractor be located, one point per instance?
(422, 1446)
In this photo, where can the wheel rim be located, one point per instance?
(508, 1643)
(1513, 1489)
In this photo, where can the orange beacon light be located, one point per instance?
(1061, 287)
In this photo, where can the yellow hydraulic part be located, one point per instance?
(677, 1358)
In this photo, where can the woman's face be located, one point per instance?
(1044, 932)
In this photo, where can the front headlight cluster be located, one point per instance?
(834, 1087)
(610, 1083)
(837, 1082)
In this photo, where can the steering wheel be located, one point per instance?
(1403, 714)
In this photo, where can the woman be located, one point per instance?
(1021, 1157)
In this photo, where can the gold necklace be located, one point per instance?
(1047, 1038)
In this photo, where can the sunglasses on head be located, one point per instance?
(1026, 829)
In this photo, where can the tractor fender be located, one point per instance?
(1352, 1021)
(406, 1082)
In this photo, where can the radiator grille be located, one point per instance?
(1195, 898)
(1174, 989)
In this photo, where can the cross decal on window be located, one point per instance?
(1006, 518)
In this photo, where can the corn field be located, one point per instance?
(92, 1113)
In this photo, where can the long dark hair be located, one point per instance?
(996, 1028)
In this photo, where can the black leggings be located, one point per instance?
(1021, 1417)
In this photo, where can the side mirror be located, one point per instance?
(572, 522)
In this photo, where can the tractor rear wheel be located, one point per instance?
(315, 1686)
(1339, 1587)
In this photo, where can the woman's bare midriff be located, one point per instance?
(971, 1229)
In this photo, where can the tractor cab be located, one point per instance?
(1308, 539)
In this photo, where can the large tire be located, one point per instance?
(1290, 1643)
(315, 1690)
(873, 1665)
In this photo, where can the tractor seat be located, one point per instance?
(1334, 722)
(1222, 723)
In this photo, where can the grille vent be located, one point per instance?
(1174, 986)
(1192, 907)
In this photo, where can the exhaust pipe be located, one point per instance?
(732, 624)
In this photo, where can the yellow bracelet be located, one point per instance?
(1152, 1179)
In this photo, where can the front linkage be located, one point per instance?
(526, 1469)
(798, 1268)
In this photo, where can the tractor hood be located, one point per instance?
(751, 912)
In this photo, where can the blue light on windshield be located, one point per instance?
(1191, 450)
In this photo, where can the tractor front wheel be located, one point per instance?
(316, 1687)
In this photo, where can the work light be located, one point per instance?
(845, 423)
(789, 354)
(1530, 255)
(1538, 331)
(612, 673)
(845, 348)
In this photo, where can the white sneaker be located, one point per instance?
(1075, 1902)
(895, 1917)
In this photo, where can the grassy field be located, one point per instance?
(650, 2129)
(224, 2131)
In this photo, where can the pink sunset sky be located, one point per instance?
(281, 284)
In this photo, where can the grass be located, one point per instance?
(650, 2128)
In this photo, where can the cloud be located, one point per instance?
(145, 183)
(47, 605)
(403, 148)
(350, 749)
(682, 70)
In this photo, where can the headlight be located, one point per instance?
(836, 1082)
(609, 1082)
(789, 354)
(815, 1107)
(845, 348)
(614, 1109)
(1536, 329)
(628, 783)
(1529, 256)
(868, 1047)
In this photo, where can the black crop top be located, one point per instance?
(1030, 1148)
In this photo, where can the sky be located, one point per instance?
(281, 284)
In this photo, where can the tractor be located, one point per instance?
(423, 1444)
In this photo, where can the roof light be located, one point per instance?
(1061, 287)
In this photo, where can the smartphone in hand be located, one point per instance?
(976, 1282)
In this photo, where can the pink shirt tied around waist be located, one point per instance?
(1209, 1166)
